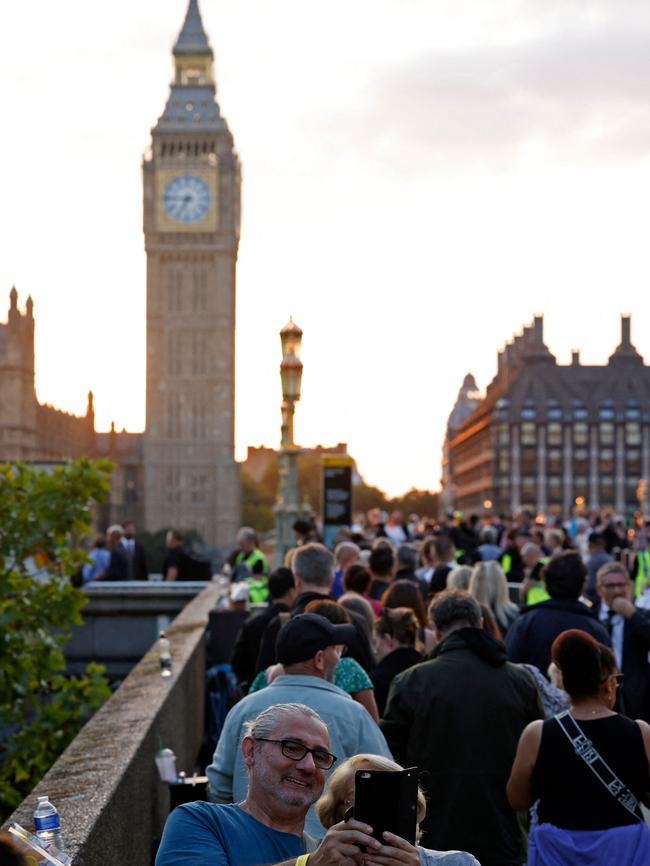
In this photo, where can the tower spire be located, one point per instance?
(192, 104)
(192, 39)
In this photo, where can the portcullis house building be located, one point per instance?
(548, 436)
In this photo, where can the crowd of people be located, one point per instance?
(493, 655)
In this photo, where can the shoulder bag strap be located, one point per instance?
(584, 748)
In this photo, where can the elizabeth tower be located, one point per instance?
(191, 217)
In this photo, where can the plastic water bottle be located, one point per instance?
(166, 763)
(165, 655)
(47, 823)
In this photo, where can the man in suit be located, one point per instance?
(118, 564)
(630, 634)
(137, 558)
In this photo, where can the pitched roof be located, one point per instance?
(192, 39)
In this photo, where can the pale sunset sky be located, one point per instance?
(419, 178)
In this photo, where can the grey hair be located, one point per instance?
(314, 564)
(452, 609)
(268, 720)
(348, 548)
(407, 556)
(248, 533)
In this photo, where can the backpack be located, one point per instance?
(223, 693)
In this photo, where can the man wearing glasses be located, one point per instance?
(286, 750)
(308, 647)
(629, 630)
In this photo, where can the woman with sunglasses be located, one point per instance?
(339, 797)
(586, 768)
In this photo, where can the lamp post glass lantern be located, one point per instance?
(291, 338)
(287, 506)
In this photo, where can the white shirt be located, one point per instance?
(618, 623)
(395, 532)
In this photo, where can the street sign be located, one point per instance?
(337, 494)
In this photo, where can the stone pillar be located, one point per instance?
(619, 478)
(541, 468)
(593, 467)
(515, 472)
(567, 498)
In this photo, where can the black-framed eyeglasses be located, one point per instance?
(296, 751)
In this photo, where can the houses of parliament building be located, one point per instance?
(181, 471)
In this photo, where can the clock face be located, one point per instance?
(186, 198)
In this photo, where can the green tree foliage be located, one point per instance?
(310, 479)
(421, 502)
(257, 504)
(154, 545)
(42, 512)
(258, 497)
(365, 497)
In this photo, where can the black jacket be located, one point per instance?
(247, 644)
(392, 664)
(360, 650)
(458, 717)
(126, 565)
(634, 692)
(118, 565)
(531, 635)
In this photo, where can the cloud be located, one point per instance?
(576, 93)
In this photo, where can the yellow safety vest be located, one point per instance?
(643, 571)
(536, 594)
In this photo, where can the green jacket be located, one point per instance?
(458, 717)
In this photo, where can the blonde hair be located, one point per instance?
(458, 578)
(489, 586)
(328, 807)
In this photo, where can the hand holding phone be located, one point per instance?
(387, 800)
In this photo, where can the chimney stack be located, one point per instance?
(625, 331)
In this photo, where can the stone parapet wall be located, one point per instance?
(105, 785)
(122, 620)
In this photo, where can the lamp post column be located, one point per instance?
(287, 506)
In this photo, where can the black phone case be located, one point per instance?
(388, 801)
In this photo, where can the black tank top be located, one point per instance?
(570, 795)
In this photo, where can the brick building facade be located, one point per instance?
(548, 436)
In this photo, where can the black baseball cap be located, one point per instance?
(305, 634)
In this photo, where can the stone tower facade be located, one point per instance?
(191, 218)
(18, 402)
(29, 430)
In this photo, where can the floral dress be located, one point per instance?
(348, 675)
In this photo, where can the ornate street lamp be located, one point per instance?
(287, 506)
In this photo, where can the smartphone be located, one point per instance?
(388, 801)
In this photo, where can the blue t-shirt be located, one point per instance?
(209, 834)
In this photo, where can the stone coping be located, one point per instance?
(105, 785)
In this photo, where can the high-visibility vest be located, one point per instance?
(642, 571)
(536, 594)
(258, 590)
(506, 563)
(251, 559)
